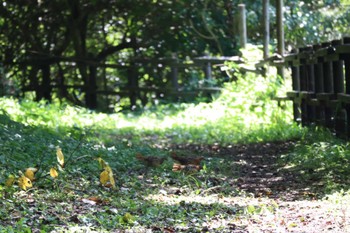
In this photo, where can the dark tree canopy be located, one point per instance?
(37, 36)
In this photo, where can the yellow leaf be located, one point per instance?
(110, 174)
(108, 169)
(53, 172)
(111, 180)
(104, 177)
(103, 164)
(10, 180)
(34, 169)
(24, 183)
(30, 173)
(60, 157)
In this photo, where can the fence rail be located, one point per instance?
(95, 84)
(321, 85)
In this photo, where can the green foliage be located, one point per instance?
(310, 22)
(31, 131)
(322, 159)
(153, 198)
(244, 112)
(115, 32)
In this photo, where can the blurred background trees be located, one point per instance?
(49, 46)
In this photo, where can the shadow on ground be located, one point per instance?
(259, 170)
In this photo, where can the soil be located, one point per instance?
(260, 169)
(302, 207)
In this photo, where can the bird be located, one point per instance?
(186, 160)
(189, 168)
(151, 161)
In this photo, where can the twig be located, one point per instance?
(211, 188)
(81, 157)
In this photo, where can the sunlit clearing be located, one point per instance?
(205, 200)
(245, 111)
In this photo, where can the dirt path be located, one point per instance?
(258, 168)
(288, 204)
(263, 174)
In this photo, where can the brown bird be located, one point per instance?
(190, 168)
(186, 160)
(151, 161)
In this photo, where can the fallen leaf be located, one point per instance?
(87, 201)
(53, 172)
(60, 157)
(111, 179)
(30, 173)
(24, 183)
(110, 176)
(10, 180)
(103, 164)
(95, 199)
(104, 177)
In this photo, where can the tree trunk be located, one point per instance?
(46, 83)
(91, 86)
(43, 88)
(132, 84)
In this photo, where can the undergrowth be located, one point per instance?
(244, 113)
(321, 158)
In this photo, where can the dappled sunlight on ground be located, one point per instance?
(267, 214)
(206, 200)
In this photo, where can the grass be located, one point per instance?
(322, 158)
(158, 199)
(238, 115)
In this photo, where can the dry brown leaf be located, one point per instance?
(87, 201)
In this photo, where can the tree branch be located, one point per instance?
(113, 49)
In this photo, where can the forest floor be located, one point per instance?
(276, 197)
(246, 188)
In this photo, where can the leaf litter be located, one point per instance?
(241, 188)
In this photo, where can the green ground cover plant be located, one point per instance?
(261, 170)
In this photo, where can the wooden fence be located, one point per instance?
(134, 83)
(321, 85)
(177, 69)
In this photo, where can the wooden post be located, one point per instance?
(208, 72)
(242, 26)
(2, 79)
(296, 88)
(338, 75)
(311, 109)
(266, 18)
(347, 86)
(328, 88)
(304, 87)
(174, 73)
(280, 34)
(338, 80)
(319, 88)
(133, 84)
